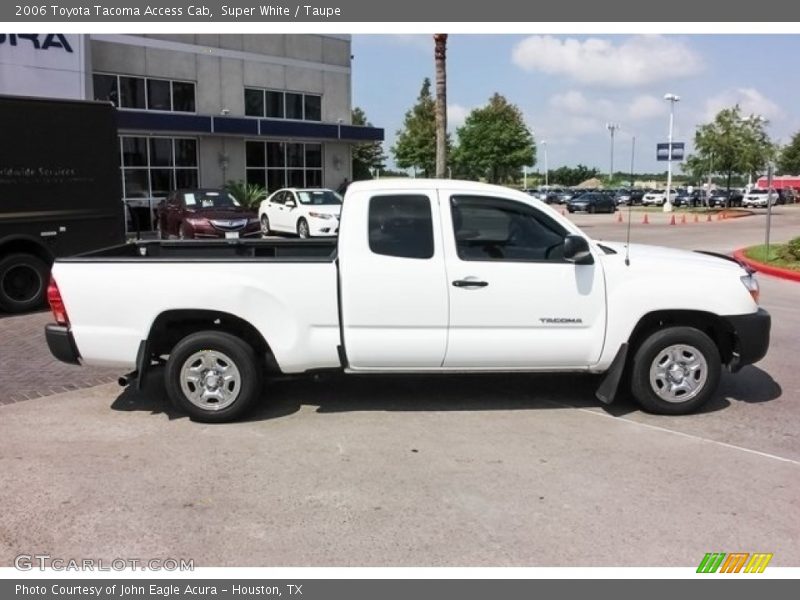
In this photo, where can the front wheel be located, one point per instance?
(265, 225)
(675, 371)
(213, 376)
(590, 209)
(302, 229)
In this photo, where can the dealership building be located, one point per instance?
(200, 110)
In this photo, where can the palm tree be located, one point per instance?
(440, 57)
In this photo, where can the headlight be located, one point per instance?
(751, 283)
(196, 220)
(320, 215)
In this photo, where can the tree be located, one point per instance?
(789, 157)
(368, 156)
(495, 142)
(730, 145)
(571, 176)
(440, 59)
(415, 147)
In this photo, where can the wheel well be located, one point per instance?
(172, 326)
(712, 325)
(26, 246)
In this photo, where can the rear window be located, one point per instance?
(401, 226)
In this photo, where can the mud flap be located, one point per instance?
(608, 388)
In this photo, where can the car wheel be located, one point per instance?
(265, 225)
(23, 282)
(213, 376)
(590, 209)
(675, 371)
(302, 229)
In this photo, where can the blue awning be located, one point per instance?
(246, 127)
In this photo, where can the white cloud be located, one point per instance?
(456, 115)
(633, 61)
(646, 107)
(751, 101)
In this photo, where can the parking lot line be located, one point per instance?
(600, 413)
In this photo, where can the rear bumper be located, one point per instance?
(61, 344)
(751, 337)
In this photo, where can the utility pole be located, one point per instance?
(612, 127)
(544, 148)
(672, 99)
(440, 59)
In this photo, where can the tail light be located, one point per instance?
(56, 303)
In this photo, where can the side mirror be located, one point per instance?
(576, 250)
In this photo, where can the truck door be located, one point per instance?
(515, 302)
(393, 287)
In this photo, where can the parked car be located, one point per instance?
(658, 197)
(426, 276)
(694, 199)
(786, 196)
(759, 198)
(304, 212)
(204, 214)
(592, 202)
(628, 197)
(720, 197)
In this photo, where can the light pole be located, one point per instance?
(672, 99)
(612, 127)
(544, 148)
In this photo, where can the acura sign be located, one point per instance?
(52, 65)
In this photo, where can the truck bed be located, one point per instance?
(214, 251)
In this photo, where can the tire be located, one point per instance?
(265, 230)
(23, 282)
(302, 229)
(223, 354)
(651, 374)
(590, 209)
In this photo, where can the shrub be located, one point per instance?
(790, 251)
(248, 194)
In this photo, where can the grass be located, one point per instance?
(759, 253)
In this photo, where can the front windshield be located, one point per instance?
(210, 200)
(319, 197)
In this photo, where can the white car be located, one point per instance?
(757, 198)
(305, 212)
(658, 197)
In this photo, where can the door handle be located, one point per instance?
(470, 283)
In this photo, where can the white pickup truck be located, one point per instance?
(426, 276)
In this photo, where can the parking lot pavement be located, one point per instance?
(433, 471)
(29, 370)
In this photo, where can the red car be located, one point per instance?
(204, 214)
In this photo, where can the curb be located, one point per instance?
(768, 269)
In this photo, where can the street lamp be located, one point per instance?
(672, 99)
(612, 127)
(544, 148)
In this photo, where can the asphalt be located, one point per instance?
(423, 471)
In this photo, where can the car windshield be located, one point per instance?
(210, 200)
(319, 197)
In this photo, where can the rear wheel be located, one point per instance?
(590, 209)
(23, 280)
(302, 229)
(213, 376)
(675, 371)
(265, 225)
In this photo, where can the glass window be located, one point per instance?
(186, 178)
(183, 96)
(294, 106)
(161, 152)
(186, 152)
(158, 95)
(256, 177)
(275, 105)
(254, 154)
(105, 88)
(253, 102)
(134, 151)
(161, 182)
(314, 155)
(137, 184)
(401, 226)
(131, 92)
(314, 178)
(276, 179)
(295, 155)
(313, 107)
(319, 197)
(498, 229)
(276, 154)
(296, 178)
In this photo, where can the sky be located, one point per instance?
(570, 86)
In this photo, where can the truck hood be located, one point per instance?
(670, 257)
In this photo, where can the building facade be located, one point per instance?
(200, 110)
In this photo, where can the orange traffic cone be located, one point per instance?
(696, 218)
(719, 216)
(708, 219)
(563, 213)
(683, 219)
(619, 216)
(645, 221)
(672, 220)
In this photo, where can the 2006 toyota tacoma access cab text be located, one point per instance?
(426, 276)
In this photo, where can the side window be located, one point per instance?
(497, 229)
(401, 226)
(278, 198)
